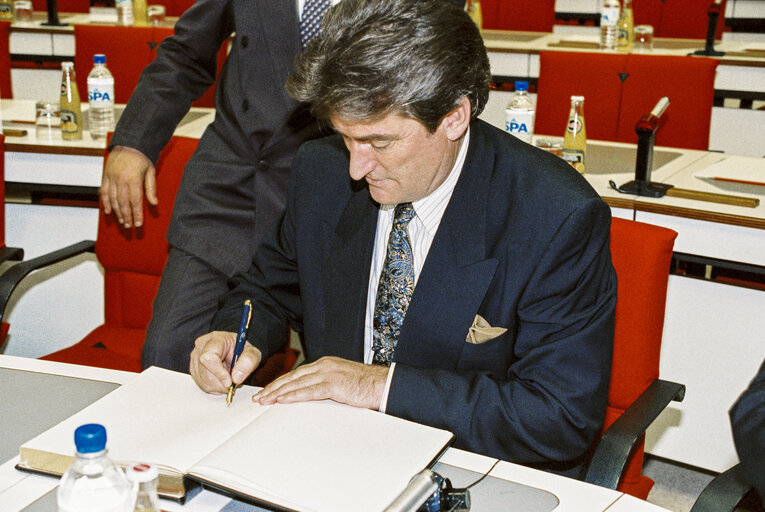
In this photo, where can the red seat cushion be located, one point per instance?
(105, 347)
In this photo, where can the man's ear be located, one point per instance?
(456, 122)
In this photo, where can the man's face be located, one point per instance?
(398, 157)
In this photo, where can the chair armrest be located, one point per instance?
(13, 276)
(11, 253)
(724, 492)
(615, 445)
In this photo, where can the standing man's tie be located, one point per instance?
(394, 290)
(313, 11)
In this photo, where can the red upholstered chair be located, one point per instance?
(641, 254)
(127, 51)
(133, 262)
(5, 61)
(596, 76)
(527, 15)
(688, 82)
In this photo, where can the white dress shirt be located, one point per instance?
(422, 229)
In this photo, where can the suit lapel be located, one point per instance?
(456, 274)
(347, 261)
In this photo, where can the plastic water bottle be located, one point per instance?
(125, 12)
(609, 18)
(144, 478)
(93, 483)
(100, 98)
(519, 115)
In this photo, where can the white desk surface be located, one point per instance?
(18, 489)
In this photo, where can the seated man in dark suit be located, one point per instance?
(439, 269)
(747, 417)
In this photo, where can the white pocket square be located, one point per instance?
(481, 331)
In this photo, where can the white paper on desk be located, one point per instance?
(739, 169)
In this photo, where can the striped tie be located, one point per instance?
(394, 290)
(313, 11)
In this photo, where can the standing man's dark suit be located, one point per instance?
(524, 243)
(748, 421)
(234, 186)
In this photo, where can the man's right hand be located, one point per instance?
(126, 174)
(211, 360)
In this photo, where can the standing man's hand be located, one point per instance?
(348, 382)
(126, 174)
(211, 360)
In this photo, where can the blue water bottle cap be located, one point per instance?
(99, 58)
(521, 85)
(90, 438)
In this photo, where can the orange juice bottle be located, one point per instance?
(71, 112)
(575, 138)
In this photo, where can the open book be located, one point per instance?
(312, 456)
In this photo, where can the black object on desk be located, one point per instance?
(646, 131)
(53, 15)
(713, 14)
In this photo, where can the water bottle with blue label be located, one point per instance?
(93, 483)
(100, 98)
(520, 112)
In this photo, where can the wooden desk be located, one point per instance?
(504, 488)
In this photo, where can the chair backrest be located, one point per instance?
(620, 88)
(128, 51)
(133, 260)
(688, 82)
(687, 19)
(527, 15)
(641, 254)
(5, 61)
(593, 75)
(63, 5)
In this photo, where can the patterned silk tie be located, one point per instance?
(313, 11)
(394, 290)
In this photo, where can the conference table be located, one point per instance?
(38, 394)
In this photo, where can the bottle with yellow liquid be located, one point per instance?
(71, 112)
(140, 16)
(625, 35)
(575, 138)
(473, 8)
(6, 10)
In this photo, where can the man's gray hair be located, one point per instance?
(416, 58)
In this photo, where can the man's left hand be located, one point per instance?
(348, 382)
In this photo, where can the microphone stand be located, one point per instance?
(646, 131)
(715, 9)
(53, 15)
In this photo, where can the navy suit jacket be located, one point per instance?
(524, 242)
(748, 421)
